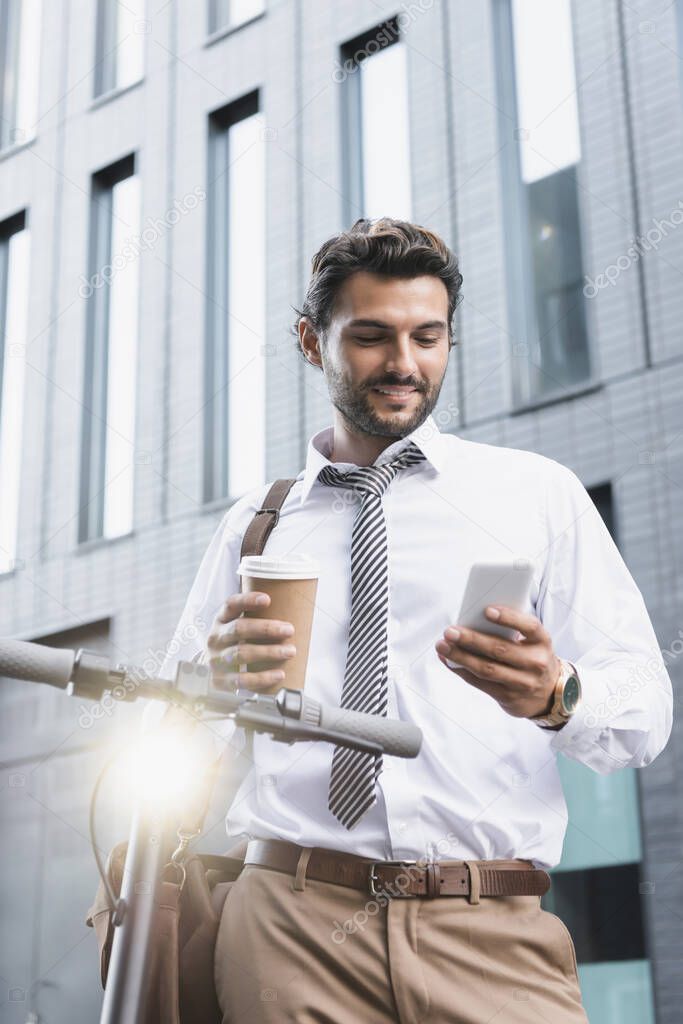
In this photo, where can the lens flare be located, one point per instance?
(162, 767)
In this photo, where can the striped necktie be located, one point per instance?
(354, 773)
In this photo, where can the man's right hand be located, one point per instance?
(236, 638)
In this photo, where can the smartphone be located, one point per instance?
(507, 583)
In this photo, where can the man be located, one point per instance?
(396, 511)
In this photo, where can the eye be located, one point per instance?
(427, 341)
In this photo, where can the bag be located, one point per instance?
(183, 942)
(188, 911)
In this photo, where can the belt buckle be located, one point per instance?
(389, 863)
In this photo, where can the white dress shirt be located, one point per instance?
(485, 784)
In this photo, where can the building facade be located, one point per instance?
(167, 170)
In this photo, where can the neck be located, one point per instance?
(358, 448)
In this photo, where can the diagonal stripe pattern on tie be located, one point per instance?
(354, 774)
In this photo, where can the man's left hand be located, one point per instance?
(520, 674)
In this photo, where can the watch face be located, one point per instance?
(571, 693)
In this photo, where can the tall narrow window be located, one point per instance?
(375, 143)
(120, 48)
(235, 378)
(231, 13)
(110, 372)
(597, 888)
(541, 152)
(14, 292)
(19, 65)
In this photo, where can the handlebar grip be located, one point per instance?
(20, 659)
(400, 739)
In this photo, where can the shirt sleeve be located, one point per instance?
(216, 579)
(594, 612)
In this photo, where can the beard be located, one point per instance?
(363, 414)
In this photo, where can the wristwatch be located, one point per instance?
(567, 696)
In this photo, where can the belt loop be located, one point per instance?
(299, 883)
(433, 879)
(475, 881)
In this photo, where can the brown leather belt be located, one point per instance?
(403, 878)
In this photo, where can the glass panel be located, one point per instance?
(546, 86)
(226, 13)
(618, 993)
(246, 323)
(545, 266)
(121, 360)
(215, 478)
(242, 10)
(603, 910)
(219, 15)
(385, 135)
(16, 287)
(604, 827)
(131, 42)
(20, 55)
(105, 64)
(29, 64)
(120, 44)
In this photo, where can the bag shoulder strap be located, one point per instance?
(253, 543)
(266, 518)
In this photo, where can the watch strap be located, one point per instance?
(558, 716)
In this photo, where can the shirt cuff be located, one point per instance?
(587, 731)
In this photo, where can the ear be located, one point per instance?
(310, 343)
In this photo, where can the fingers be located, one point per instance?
(528, 625)
(248, 630)
(257, 681)
(236, 604)
(497, 648)
(240, 637)
(225, 663)
(493, 672)
(225, 666)
(238, 654)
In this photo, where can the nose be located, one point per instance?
(401, 361)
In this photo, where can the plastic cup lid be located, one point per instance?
(286, 567)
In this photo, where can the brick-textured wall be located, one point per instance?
(629, 430)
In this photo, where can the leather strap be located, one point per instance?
(401, 879)
(265, 519)
(253, 543)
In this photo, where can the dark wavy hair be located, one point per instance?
(395, 248)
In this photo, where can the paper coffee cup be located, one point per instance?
(292, 583)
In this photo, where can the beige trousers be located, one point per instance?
(315, 953)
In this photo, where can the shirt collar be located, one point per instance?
(427, 437)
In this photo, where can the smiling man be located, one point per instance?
(379, 397)
(323, 923)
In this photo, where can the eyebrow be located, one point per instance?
(427, 325)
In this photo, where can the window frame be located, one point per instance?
(216, 447)
(91, 492)
(521, 299)
(11, 226)
(389, 34)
